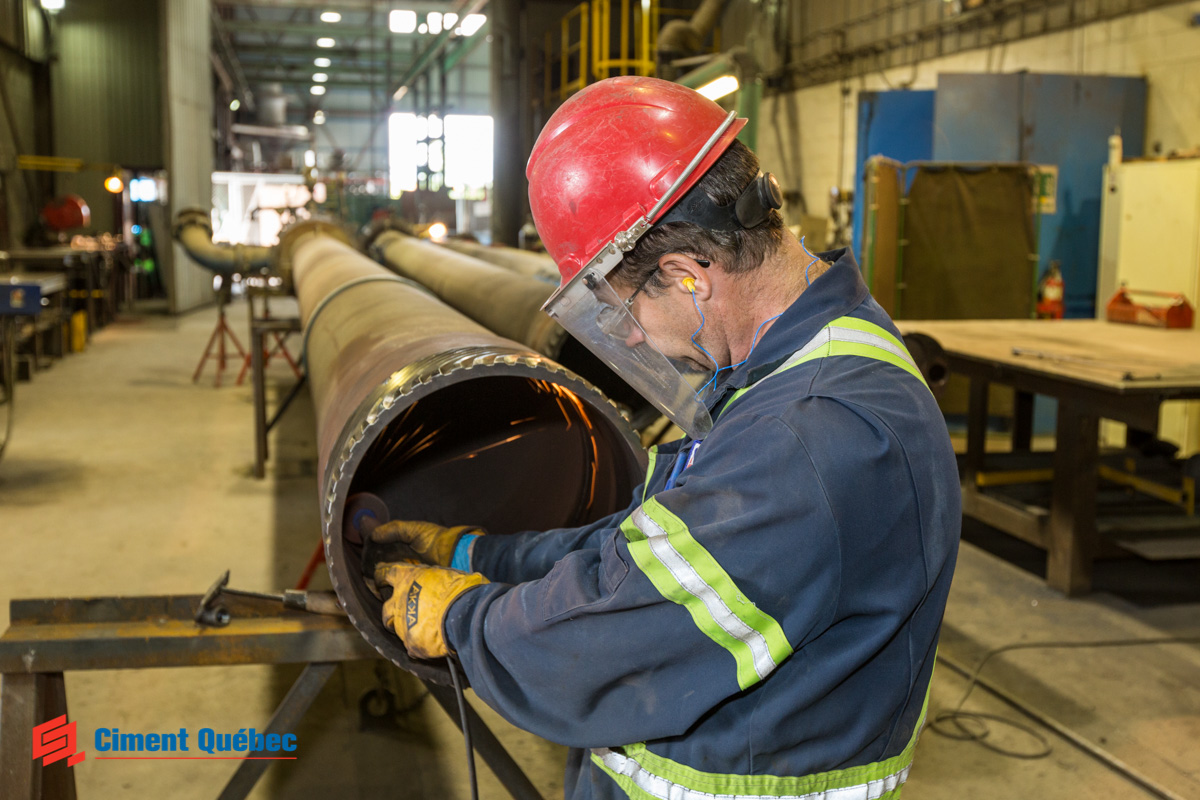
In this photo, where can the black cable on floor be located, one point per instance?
(957, 716)
(466, 727)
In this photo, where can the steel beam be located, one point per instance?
(258, 53)
(509, 186)
(316, 30)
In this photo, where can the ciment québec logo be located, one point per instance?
(55, 740)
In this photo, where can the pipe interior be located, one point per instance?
(577, 358)
(506, 453)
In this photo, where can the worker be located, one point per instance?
(763, 619)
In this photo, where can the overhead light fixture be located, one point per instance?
(325, 41)
(448, 19)
(113, 183)
(317, 90)
(320, 77)
(402, 21)
(434, 20)
(715, 90)
(235, 104)
(310, 158)
(330, 16)
(322, 62)
(437, 231)
(53, 6)
(422, 28)
(319, 117)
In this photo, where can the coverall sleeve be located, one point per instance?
(528, 556)
(675, 611)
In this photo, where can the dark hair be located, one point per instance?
(739, 251)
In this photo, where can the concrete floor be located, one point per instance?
(124, 477)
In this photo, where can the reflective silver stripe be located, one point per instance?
(862, 337)
(833, 333)
(690, 581)
(657, 786)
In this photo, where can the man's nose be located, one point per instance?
(634, 337)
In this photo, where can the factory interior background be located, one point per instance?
(1019, 180)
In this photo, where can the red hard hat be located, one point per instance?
(609, 154)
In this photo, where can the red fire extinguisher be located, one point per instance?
(1050, 293)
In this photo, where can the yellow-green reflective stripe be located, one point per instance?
(649, 471)
(646, 776)
(685, 572)
(856, 324)
(846, 336)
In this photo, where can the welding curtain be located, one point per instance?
(970, 250)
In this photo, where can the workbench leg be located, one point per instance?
(1073, 502)
(58, 780)
(260, 401)
(977, 415)
(20, 707)
(1022, 434)
(507, 771)
(285, 719)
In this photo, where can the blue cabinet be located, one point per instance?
(1060, 120)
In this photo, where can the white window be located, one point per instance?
(467, 157)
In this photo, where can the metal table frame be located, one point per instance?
(1067, 530)
(50, 637)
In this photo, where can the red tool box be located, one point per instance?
(1176, 312)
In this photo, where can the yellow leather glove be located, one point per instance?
(429, 542)
(421, 596)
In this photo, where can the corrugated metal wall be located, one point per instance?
(22, 33)
(189, 146)
(16, 135)
(107, 93)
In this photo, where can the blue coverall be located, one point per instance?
(768, 625)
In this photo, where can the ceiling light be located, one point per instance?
(330, 16)
(448, 19)
(235, 104)
(437, 231)
(53, 6)
(422, 28)
(317, 90)
(402, 21)
(434, 20)
(322, 62)
(714, 90)
(320, 77)
(472, 23)
(319, 118)
(114, 184)
(325, 41)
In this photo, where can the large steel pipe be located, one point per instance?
(193, 230)
(523, 262)
(506, 303)
(442, 420)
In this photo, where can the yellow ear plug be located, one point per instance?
(690, 284)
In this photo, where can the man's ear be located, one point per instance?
(687, 274)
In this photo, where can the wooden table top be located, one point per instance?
(1109, 354)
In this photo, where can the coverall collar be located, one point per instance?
(837, 292)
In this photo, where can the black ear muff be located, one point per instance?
(758, 200)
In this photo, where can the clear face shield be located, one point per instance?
(591, 311)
